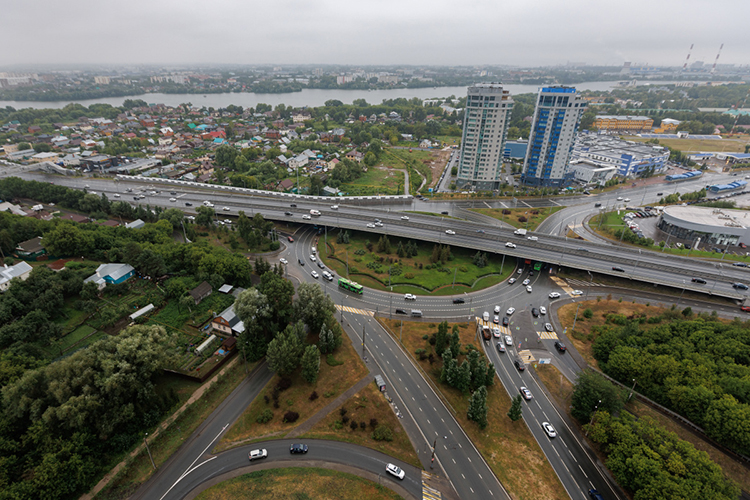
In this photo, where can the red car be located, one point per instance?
(745, 308)
(291, 240)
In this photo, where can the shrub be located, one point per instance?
(313, 396)
(265, 417)
(425, 336)
(266, 398)
(409, 276)
(353, 425)
(342, 411)
(362, 425)
(373, 422)
(588, 313)
(382, 433)
(344, 419)
(284, 384)
(290, 416)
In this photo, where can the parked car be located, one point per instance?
(510, 311)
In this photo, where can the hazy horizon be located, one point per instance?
(388, 32)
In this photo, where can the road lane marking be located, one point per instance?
(584, 472)
(547, 335)
(354, 310)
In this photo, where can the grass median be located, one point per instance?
(526, 218)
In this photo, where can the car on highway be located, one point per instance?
(458, 300)
(313, 258)
(549, 430)
(444, 212)
(327, 275)
(450, 231)
(526, 282)
(173, 199)
(395, 470)
(188, 204)
(520, 271)
(576, 292)
(378, 224)
(745, 308)
(306, 217)
(529, 289)
(314, 274)
(619, 198)
(593, 494)
(226, 209)
(190, 217)
(291, 240)
(548, 327)
(298, 448)
(500, 347)
(659, 194)
(404, 217)
(699, 281)
(480, 231)
(496, 319)
(227, 221)
(554, 295)
(283, 261)
(334, 207)
(321, 265)
(293, 205)
(117, 195)
(510, 311)
(371, 225)
(401, 311)
(508, 340)
(525, 393)
(739, 264)
(739, 286)
(535, 312)
(519, 364)
(618, 269)
(560, 346)
(496, 332)
(510, 244)
(542, 310)
(410, 296)
(257, 454)
(511, 281)
(626, 200)
(497, 309)
(301, 262)
(288, 213)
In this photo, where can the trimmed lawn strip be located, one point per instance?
(76, 335)
(695, 145)
(534, 219)
(138, 469)
(298, 483)
(462, 266)
(508, 447)
(332, 381)
(367, 404)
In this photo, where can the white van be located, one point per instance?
(327, 275)
(315, 213)
(416, 313)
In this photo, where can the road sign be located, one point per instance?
(545, 361)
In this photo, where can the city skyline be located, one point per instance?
(383, 33)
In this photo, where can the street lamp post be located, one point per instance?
(631, 391)
(145, 441)
(683, 291)
(592, 417)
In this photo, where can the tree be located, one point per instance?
(329, 338)
(284, 353)
(316, 185)
(311, 364)
(594, 391)
(515, 413)
(252, 308)
(225, 155)
(205, 216)
(448, 373)
(477, 411)
(312, 306)
(174, 216)
(441, 338)
(150, 263)
(455, 341)
(463, 378)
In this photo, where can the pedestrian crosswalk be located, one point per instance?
(582, 283)
(354, 310)
(547, 335)
(562, 284)
(429, 493)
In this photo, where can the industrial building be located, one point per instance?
(553, 131)
(623, 123)
(589, 172)
(719, 227)
(488, 108)
(632, 159)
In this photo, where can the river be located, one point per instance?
(307, 97)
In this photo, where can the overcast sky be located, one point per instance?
(435, 32)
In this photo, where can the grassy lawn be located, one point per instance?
(508, 447)
(367, 404)
(298, 483)
(176, 317)
(535, 216)
(416, 159)
(75, 336)
(376, 181)
(407, 272)
(138, 469)
(694, 145)
(348, 369)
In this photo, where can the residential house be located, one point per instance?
(8, 273)
(200, 292)
(113, 274)
(136, 224)
(75, 218)
(298, 161)
(425, 144)
(41, 157)
(332, 163)
(31, 249)
(286, 184)
(228, 322)
(33, 129)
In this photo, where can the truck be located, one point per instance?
(520, 232)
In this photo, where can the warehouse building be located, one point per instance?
(632, 159)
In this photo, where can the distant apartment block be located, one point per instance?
(623, 123)
(488, 108)
(553, 131)
(102, 80)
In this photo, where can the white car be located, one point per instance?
(306, 217)
(526, 282)
(528, 289)
(619, 198)
(312, 258)
(190, 217)
(497, 309)
(526, 393)
(554, 295)
(510, 311)
(256, 454)
(542, 310)
(496, 332)
(371, 225)
(327, 275)
(511, 245)
(409, 296)
(173, 199)
(314, 274)
(450, 231)
(626, 200)
(577, 292)
(520, 271)
(404, 217)
(226, 209)
(227, 221)
(334, 207)
(395, 470)
(283, 261)
(313, 249)
(549, 429)
(117, 195)
(511, 281)
(496, 319)
(378, 224)
(508, 340)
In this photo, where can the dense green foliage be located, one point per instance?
(697, 367)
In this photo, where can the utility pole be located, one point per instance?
(363, 340)
(631, 391)
(149, 451)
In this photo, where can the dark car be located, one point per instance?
(293, 205)
(597, 205)
(401, 311)
(619, 269)
(135, 198)
(593, 493)
(458, 300)
(444, 212)
(739, 264)
(188, 204)
(298, 448)
(560, 346)
(699, 280)
(659, 194)
(739, 286)
(173, 193)
(586, 192)
(301, 262)
(535, 312)
(321, 265)
(500, 347)
(519, 364)
(505, 321)
(288, 213)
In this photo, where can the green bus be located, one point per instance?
(538, 266)
(350, 285)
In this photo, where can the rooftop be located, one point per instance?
(709, 216)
